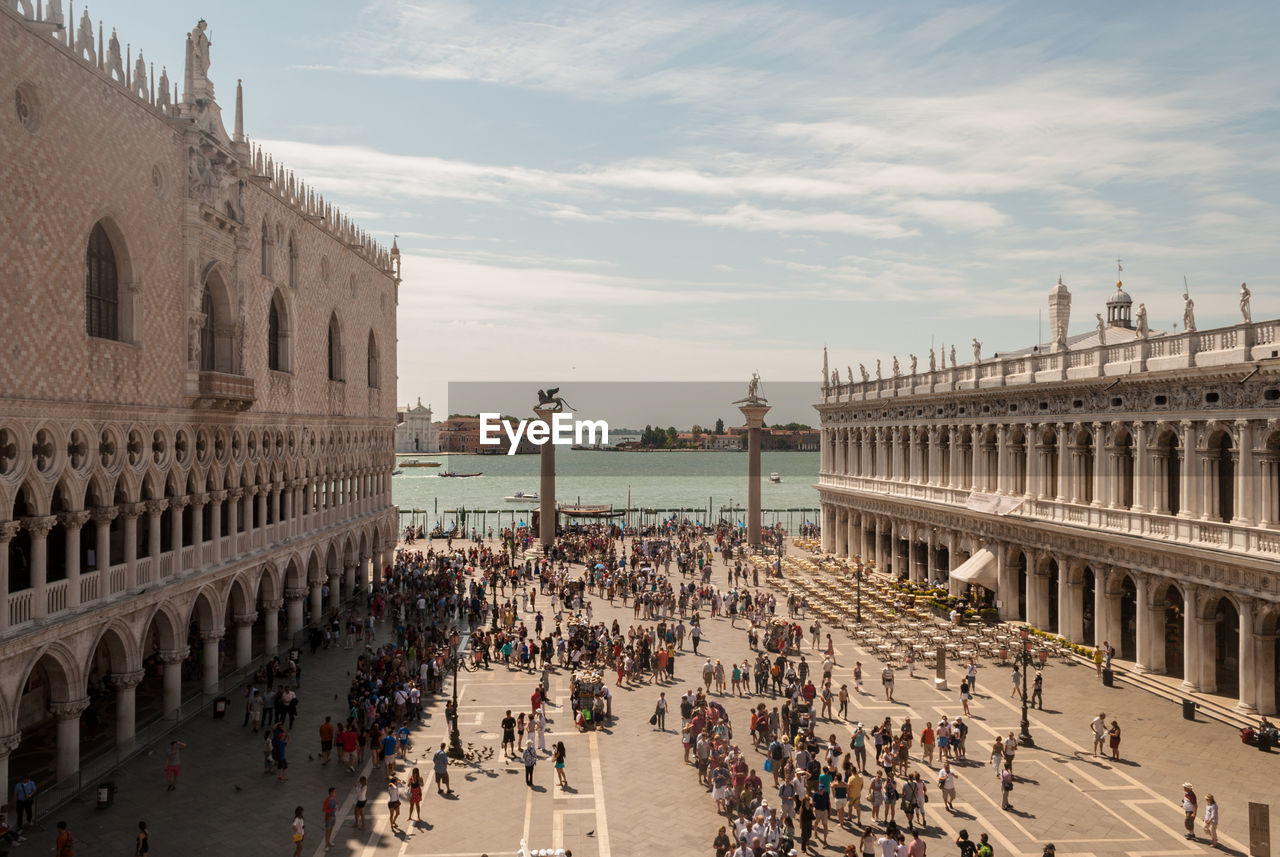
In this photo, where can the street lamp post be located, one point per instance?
(858, 616)
(455, 739)
(493, 585)
(1023, 659)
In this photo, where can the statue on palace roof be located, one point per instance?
(977, 350)
(1142, 321)
(1246, 314)
(1188, 312)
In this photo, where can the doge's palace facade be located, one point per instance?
(1121, 485)
(197, 394)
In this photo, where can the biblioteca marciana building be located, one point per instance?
(1121, 485)
(197, 395)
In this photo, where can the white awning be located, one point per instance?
(979, 568)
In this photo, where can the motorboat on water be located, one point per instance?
(522, 497)
(460, 475)
(397, 473)
(775, 477)
(417, 462)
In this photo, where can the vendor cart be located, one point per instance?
(777, 635)
(586, 683)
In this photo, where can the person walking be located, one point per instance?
(1113, 736)
(558, 758)
(299, 831)
(886, 678)
(844, 702)
(971, 675)
(415, 793)
(440, 765)
(362, 800)
(1189, 806)
(393, 801)
(1015, 679)
(530, 758)
(24, 798)
(65, 845)
(1211, 819)
(1099, 727)
(330, 810)
(965, 693)
(142, 845)
(1006, 786)
(540, 727)
(326, 740)
(947, 785)
(1037, 691)
(660, 711)
(172, 763)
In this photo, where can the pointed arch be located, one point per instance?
(375, 369)
(336, 372)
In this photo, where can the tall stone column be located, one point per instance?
(198, 502)
(317, 601)
(546, 487)
(1031, 460)
(1141, 469)
(271, 626)
(293, 610)
(71, 523)
(1265, 672)
(1101, 613)
(234, 497)
(8, 530)
(913, 559)
(126, 685)
(879, 552)
(155, 509)
(754, 415)
(1069, 596)
(335, 590)
(1191, 639)
(102, 518)
(68, 714)
(1099, 475)
(1207, 663)
(1187, 489)
(176, 505)
(1246, 476)
(894, 568)
(934, 458)
(39, 528)
(172, 660)
(1248, 700)
(931, 562)
(1145, 633)
(8, 743)
(1064, 465)
(131, 512)
(350, 579)
(244, 637)
(216, 499)
(1001, 481)
(209, 658)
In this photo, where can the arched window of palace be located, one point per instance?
(373, 361)
(335, 349)
(102, 286)
(279, 335)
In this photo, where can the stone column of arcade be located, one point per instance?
(293, 599)
(271, 626)
(68, 714)
(754, 413)
(8, 743)
(244, 637)
(172, 660)
(209, 661)
(126, 685)
(547, 487)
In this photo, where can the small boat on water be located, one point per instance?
(397, 473)
(417, 462)
(459, 475)
(522, 497)
(775, 477)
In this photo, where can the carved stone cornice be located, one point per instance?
(74, 520)
(242, 619)
(156, 507)
(126, 680)
(10, 742)
(39, 526)
(70, 709)
(295, 594)
(171, 657)
(8, 530)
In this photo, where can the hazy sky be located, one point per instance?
(692, 191)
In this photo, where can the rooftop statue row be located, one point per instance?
(195, 105)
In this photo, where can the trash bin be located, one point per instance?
(106, 795)
(1188, 709)
(1108, 677)
(220, 706)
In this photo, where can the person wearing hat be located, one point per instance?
(1189, 806)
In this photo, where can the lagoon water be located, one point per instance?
(690, 480)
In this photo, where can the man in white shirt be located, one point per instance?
(1099, 727)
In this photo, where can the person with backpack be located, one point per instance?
(984, 846)
(1006, 786)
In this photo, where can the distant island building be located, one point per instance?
(415, 432)
(1120, 485)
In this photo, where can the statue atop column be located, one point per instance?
(548, 400)
(863, 369)
(1246, 314)
(199, 87)
(753, 390)
(879, 376)
(1188, 312)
